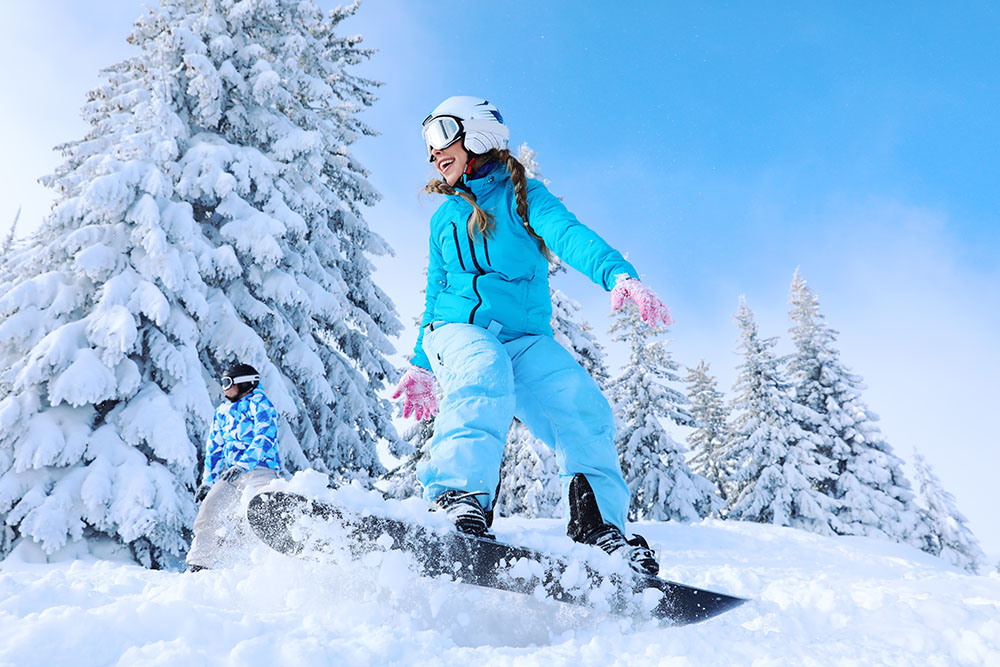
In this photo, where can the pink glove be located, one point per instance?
(651, 309)
(417, 388)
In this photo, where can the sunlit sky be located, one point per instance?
(718, 145)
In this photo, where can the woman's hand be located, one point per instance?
(651, 309)
(417, 389)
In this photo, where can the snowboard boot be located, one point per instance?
(465, 512)
(588, 527)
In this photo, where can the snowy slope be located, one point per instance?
(817, 600)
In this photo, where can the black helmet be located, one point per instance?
(243, 376)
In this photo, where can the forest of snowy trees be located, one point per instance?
(213, 212)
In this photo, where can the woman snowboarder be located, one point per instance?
(486, 336)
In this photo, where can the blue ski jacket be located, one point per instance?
(501, 283)
(244, 434)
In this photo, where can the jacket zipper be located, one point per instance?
(475, 279)
(458, 248)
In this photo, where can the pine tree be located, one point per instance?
(529, 160)
(661, 484)
(8, 239)
(529, 479)
(576, 335)
(212, 213)
(772, 457)
(401, 482)
(864, 476)
(953, 540)
(8, 249)
(710, 435)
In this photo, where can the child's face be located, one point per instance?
(450, 162)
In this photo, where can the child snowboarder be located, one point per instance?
(485, 335)
(241, 452)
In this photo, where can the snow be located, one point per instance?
(815, 600)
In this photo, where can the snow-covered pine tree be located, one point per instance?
(401, 481)
(661, 484)
(8, 239)
(952, 538)
(710, 434)
(771, 457)
(529, 477)
(576, 335)
(864, 476)
(529, 160)
(7, 249)
(212, 213)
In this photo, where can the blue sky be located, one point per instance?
(719, 145)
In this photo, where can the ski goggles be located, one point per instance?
(228, 382)
(440, 132)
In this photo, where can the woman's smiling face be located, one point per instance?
(450, 162)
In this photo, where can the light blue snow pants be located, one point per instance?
(485, 383)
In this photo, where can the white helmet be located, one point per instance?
(473, 119)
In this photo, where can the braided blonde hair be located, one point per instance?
(480, 221)
(483, 222)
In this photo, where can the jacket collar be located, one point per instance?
(246, 395)
(488, 179)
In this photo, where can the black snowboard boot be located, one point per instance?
(588, 527)
(465, 512)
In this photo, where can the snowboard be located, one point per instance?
(306, 528)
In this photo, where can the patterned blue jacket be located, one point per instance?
(244, 434)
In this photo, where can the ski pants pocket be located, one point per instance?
(428, 341)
